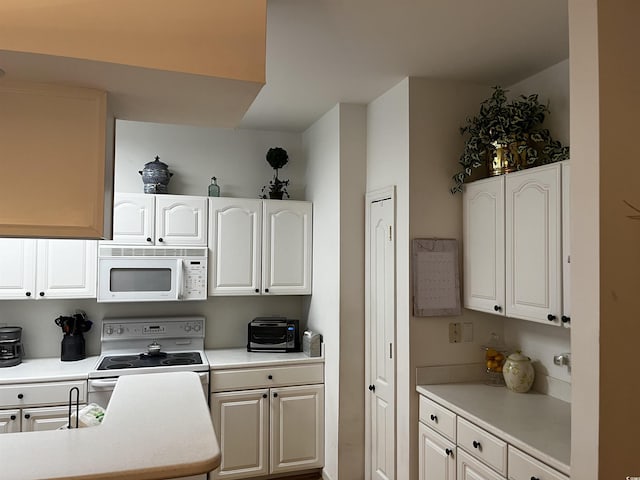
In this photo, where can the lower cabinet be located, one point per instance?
(265, 431)
(35, 407)
(453, 448)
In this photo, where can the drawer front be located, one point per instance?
(261, 377)
(439, 418)
(471, 469)
(483, 445)
(525, 467)
(53, 393)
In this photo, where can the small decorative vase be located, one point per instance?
(518, 373)
(155, 176)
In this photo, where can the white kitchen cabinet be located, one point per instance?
(273, 422)
(437, 456)
(241, 420)
(169, 220)
(483, 241)
(259, 247)
(566, 245)
(471, 469)
(35, 407)
(47, 268)
(513, 244)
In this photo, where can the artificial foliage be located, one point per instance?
(276, 157)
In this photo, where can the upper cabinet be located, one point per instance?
(259, 247)
(58, 175)
(47, 268)
(189, 62)
(513, 245)
(170, 220)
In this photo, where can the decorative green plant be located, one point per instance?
(276, 157)
(514, 126)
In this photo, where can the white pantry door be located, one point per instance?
(380, 325)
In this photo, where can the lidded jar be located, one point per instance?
(155, 176)
(518, 373)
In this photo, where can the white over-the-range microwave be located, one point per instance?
(151, 274)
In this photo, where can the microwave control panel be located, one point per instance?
(195, 279)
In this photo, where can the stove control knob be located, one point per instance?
(120, 331)
(197, 327)
(108, 330)
(187, 327)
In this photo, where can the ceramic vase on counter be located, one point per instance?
(518, 373)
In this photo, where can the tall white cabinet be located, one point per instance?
(144, 219)
(259, 247)
(47, 268)
(513, 244)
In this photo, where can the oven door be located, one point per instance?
(136, 279)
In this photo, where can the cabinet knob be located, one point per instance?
(448, 451)
(551, 317)
(434, 418)
(266, 290)
(275, 394)
(41, 294)
(497, 308)
(534, 478)
(148, 239)
(257, 290)
(160, 240)
(270, 377)
(28, 294)
(264, 395)
(20, 396)
(565, 319)
(476, 445)
(372, 388)
(13, 417)
(27, 416)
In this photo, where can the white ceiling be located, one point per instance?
(321, 52)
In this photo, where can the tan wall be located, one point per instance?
(619, 72)
(221, 38)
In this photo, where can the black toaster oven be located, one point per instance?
(273, 334)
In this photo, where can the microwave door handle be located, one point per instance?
(179, 280)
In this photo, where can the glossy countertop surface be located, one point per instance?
(535, 423)
(47, 370)
(148, 433)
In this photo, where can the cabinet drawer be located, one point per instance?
(247, 378)
(40, 393)
(439, 418)
(483, 445)
(471, 469)
(525, 467)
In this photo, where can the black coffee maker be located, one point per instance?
(73, 347)
(10, 346)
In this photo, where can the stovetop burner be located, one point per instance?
(117, 362)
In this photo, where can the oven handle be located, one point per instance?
(179, 280)
(103, 383)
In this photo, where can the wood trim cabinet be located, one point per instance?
(164, 220)
(55, 268)
(267, 431)
(259, 247)
(513, 244)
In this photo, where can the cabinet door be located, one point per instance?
(44, 418)
(297, 428)
(9, 421)
(566, 244)
(483, 244)
(235, 233)
(286, 247)
(181, 220)
(66, 268)
(18, 267)
(471, 469)
(241, 421)
(133, 219)
(533, 244)
(436, 456)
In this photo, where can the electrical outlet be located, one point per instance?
(454, 333)
(467, 332)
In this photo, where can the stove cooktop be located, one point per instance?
(142, 360)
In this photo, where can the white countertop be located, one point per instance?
(47, 370)
(239, 357)
(156, 427)
(533, 422)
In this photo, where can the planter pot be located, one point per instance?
(505, 159)
(276, 195)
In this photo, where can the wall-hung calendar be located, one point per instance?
(436, 278)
